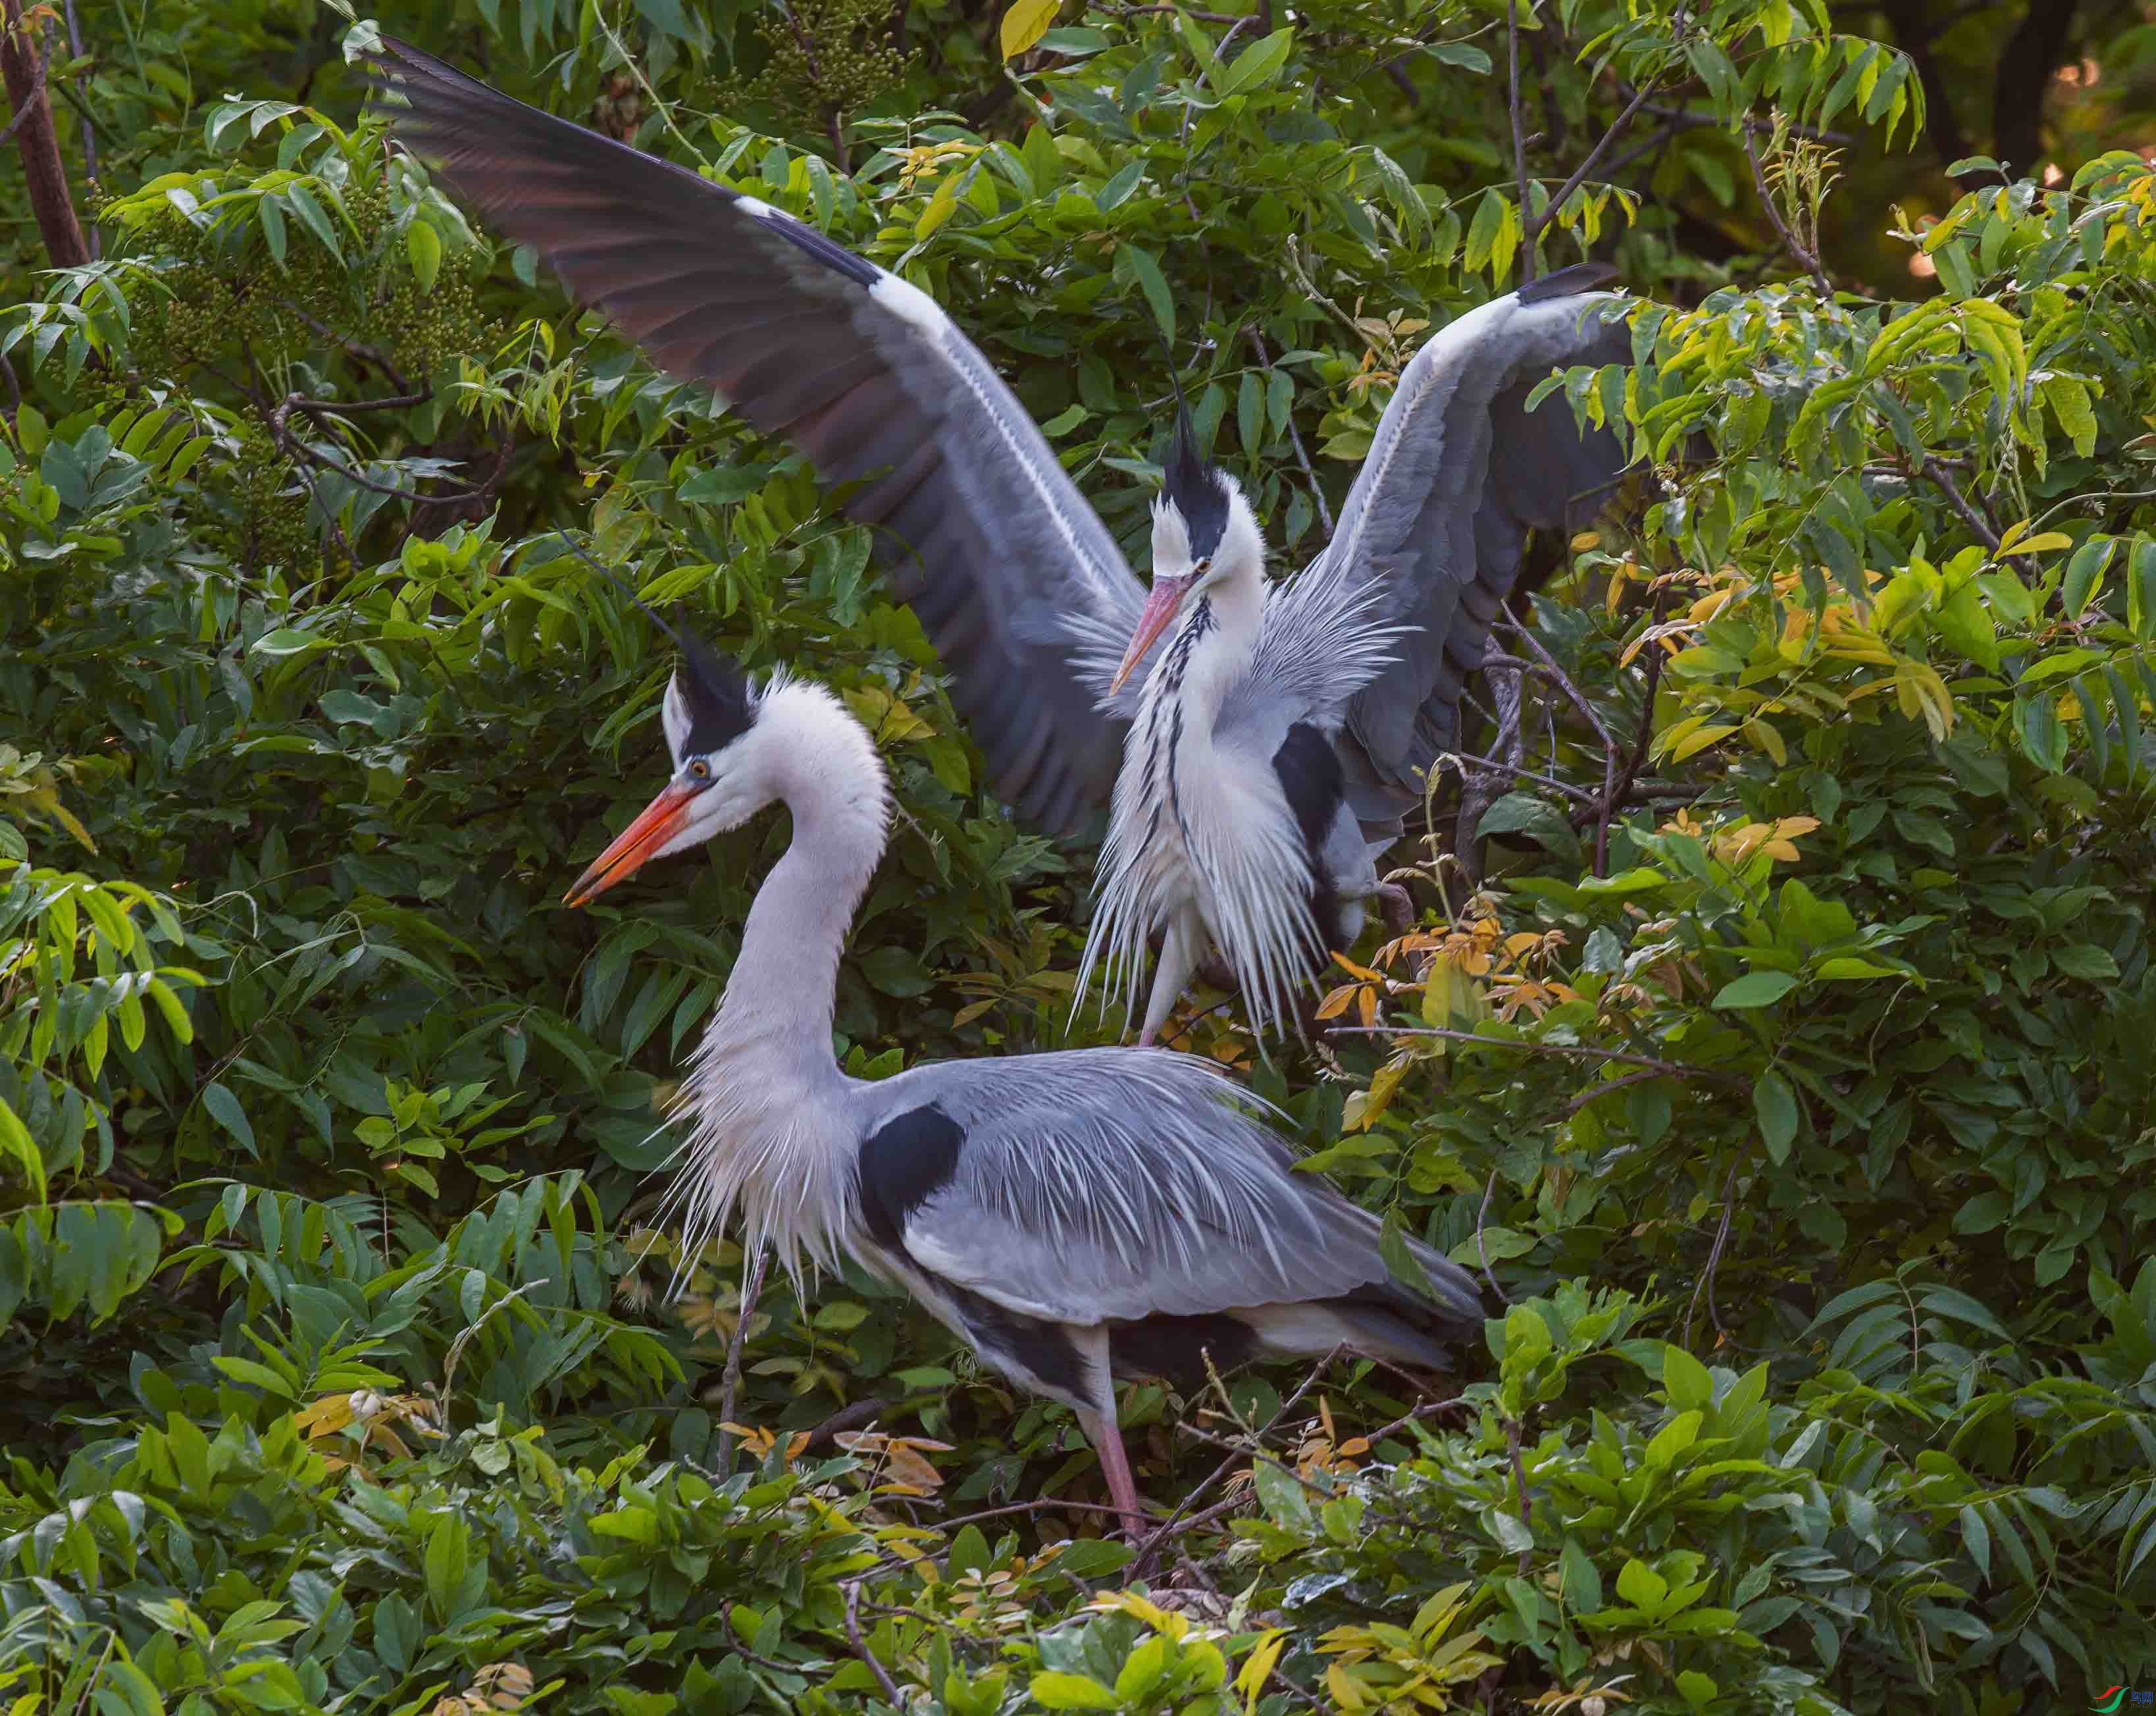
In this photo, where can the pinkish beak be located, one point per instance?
(657, 823)
(1166, 596)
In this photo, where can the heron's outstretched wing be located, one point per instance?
(1114, 1183)
(1432, 533)
(1018, 583)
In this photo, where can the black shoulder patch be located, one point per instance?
(1310, 778)
(1195, 488)
(903, 1163)
(1566, 282)
(1309, 770)
(716, 691)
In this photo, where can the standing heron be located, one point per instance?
(1281, 733)
(1074, 1217)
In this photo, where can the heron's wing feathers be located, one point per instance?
(1019, 584)
(1434, 528)
(1127, 1183)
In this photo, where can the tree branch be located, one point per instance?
(1532, 229)
(1295, 440)
(44, 175)
(1528, 228)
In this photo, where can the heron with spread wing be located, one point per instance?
(1256, 746)
(1074, 1217)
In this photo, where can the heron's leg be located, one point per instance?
(1098, 1422)
(1179, 951)
(1107, 1439)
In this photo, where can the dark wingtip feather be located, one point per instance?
(1569, 282)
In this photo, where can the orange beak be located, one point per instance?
(1166, 596)
(659, 822)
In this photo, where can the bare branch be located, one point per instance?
(44, 175)
(1482, 1251)
(860, 1645)
(1527, 228)
(1532, 229)
(1295, 440)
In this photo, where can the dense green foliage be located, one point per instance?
(1780, 1054)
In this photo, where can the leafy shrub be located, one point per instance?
(1773, 1040)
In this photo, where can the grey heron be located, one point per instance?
(1282, 731)
(1073, 1215)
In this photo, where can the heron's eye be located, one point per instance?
(700, 771)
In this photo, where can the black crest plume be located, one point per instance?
(713, 686)
(1191, 484)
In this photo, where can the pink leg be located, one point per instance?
(1107, 1441)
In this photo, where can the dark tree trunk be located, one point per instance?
(2033, 53)
(24, 68)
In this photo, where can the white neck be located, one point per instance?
(769, 1102)
(1225, 619)
(784, 989)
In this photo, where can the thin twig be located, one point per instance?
(1623, 784)
(89, 130)
(1578, 698)
(1714, 1254)
(457, 1346)
(1428, 1409)
(1519, 137)
(1596, 1092)
(1214, 1476)
(1673, 1068)
(729, 1382)
(1046, 1504)
(1532, 230)
(1500, 766)
(1482, 1250)
(861, 1649)
(1295, 440)
(1806, 259)
(1520, 1480)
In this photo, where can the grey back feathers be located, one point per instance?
(1111, 1184)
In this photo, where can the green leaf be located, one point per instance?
(1134, 264)
(1755, 989)
(1256, 65)
(225, 1110)
(423, 244)
(1775, 1103)
(1690, 1388)
(1057, 1691)
(1025, 24)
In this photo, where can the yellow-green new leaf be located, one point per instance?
(1025, 24)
